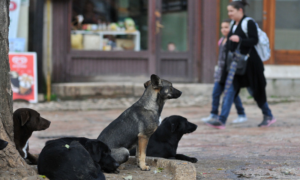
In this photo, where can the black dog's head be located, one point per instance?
(31, 119)
(101, 153)
(3, 144)
(163, 87)
(181, 124)
(174, 126)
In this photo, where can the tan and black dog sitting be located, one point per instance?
(135, 125)
(25, 122)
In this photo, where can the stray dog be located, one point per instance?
(3, 144)
(25, 122)
(164, 141)
(135, 125)
(99, 151)
(60, 160)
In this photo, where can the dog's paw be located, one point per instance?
(193, 160)
(116, 171)
(145, 168)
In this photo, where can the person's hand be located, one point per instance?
(234, 38)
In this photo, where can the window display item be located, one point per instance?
(91, 42)
(76, 41)
(130, 25)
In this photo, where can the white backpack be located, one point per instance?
(263, 45)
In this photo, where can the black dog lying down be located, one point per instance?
(68, 162)
(164, 141)
(85, 158)
(3, 144)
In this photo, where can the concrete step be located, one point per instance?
(283, 83)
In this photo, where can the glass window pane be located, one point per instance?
(175, 25)
(109, 25)
(255, 10)
(287, 28)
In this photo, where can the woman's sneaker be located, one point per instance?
(267, 121)
(215, 123)
(210, 117)
(240, 119)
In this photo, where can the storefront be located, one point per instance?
(107, 40)
(127, 40)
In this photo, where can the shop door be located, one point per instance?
(280, 20)
(174, 32)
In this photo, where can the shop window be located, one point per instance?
(174, 36)
(287, 28)
(109, 25)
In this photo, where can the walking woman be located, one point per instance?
(253, 78)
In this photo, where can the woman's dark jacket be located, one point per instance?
(254, 76)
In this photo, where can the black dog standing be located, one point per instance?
(135, 125)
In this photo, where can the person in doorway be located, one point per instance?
(218, 88)
(171, 47)
(254, 78)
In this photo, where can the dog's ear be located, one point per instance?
(156, 81)
(146, 84)
(174, 127)
(93, 147)
(24, 117)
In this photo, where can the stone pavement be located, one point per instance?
(238, 152)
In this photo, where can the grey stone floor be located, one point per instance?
(241, 151)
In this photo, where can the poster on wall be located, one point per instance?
(14, 12)
(23, 76)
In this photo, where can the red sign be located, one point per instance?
(12, 6)
(23, 76)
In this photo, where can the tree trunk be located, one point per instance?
(12, 164)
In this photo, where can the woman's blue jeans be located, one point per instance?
(217, 92)
(227, 102)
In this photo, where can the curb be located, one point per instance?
(181, 170)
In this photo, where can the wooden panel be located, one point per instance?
(112, 66)
(60, 38)
(269, 26)
(198, 41)
(152, 36)
(174, 55)
(174, 68)
(287, 57)
(191, 39)
(209, 40)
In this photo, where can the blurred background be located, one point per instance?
(87, 41)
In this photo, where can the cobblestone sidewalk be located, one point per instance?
(238, 152)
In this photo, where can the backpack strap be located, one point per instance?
(244, 24)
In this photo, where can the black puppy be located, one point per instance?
(99, 151)
(60, 160)
(25, 122)
(164, 141)
(3, 144)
